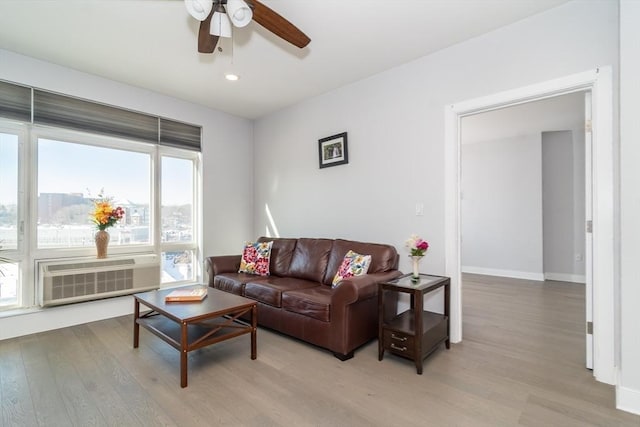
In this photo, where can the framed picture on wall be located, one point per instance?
(333, 150)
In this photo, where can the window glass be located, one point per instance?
(177, 266)
(177, 189)
(8, 191)
(9, 284)
(70, 176)
(177, 199)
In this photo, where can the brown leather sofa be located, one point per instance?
(297, 298)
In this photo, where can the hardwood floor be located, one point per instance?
(521, 363)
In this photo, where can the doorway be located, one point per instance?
(599, 83)
(524, 180)
(523, 190)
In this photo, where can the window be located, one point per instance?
(8, 191)
(61, 153)
(10, 290)
(178, 197)
(71, 175)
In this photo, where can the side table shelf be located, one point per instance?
(415, 333)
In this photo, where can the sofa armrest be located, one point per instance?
(222, 264)
(362, 287)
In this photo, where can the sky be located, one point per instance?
(76, 168)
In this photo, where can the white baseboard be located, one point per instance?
(562, 277)
(46, 319)
(628, 400)
(503, 273)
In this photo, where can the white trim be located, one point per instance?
(628, 400)
(588, 216)
(563, 277)
(603, 228)
(26, 322)
(526, 275)
(452, 219)
(599, 81)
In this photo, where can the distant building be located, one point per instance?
(50, 203)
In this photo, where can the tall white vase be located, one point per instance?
(415, 261)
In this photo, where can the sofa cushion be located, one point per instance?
(281, 254)
(311, 302)
(232, 282)
(310, 259)
(255, 258)
(383, 257)
(353, 264)
(269, 290)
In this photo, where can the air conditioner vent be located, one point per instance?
(76, 280)
(91, 264)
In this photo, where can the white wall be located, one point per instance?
(501, 208)
(628, 391)
(227, 143)
(396, 130)
(563, 215)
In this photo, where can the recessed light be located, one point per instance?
(231, 77)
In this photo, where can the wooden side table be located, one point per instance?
(415, 333)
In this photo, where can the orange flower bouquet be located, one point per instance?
(104, 215)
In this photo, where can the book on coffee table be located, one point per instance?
(182, 295)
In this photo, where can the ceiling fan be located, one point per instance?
(217, 16)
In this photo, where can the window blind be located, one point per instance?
(59, 110)
(181, 135)
(15, 102)
(72, 113)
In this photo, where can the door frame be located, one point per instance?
(600, 82)
(588, 240)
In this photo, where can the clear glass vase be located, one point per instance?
(415, 264)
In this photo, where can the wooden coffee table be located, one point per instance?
(188, 326)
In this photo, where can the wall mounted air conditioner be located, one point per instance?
(81, 279)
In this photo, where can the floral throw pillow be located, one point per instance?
(353, 264)
(255, 258)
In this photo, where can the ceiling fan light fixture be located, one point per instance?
(220, 24)
(199, 9)
(239, 13)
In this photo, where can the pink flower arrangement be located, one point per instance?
(417, 246)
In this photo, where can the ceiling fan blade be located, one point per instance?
(206, 42)
(279, 26)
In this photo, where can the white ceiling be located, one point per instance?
(152, 44)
